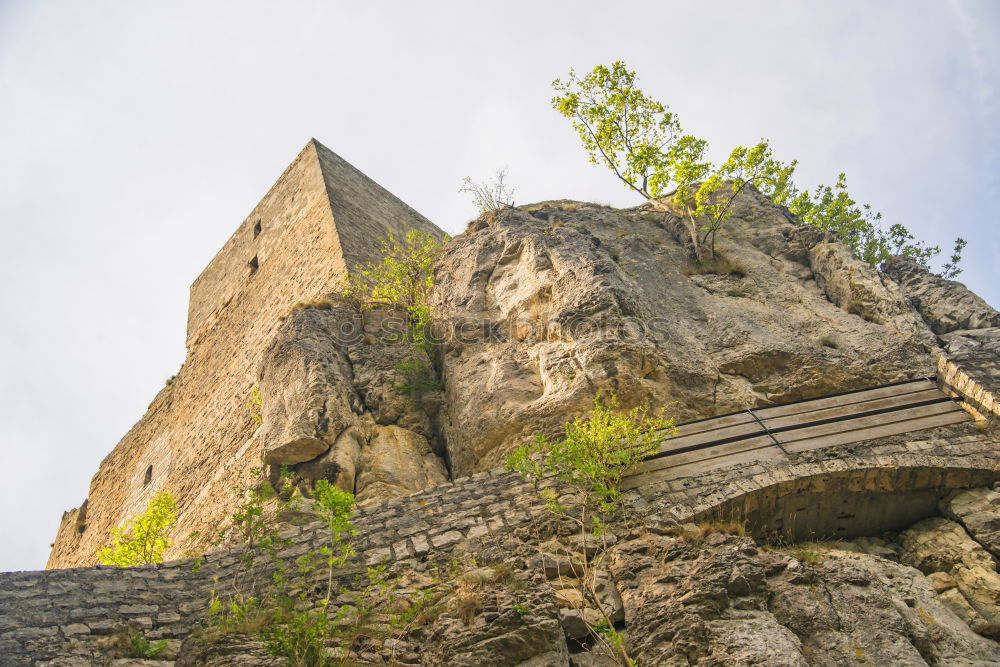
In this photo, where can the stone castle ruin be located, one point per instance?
(821, 401)
(320, 219)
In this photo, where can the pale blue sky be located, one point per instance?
(136, 135)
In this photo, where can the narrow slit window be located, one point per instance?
(253, 265)
(149, 476)
(256, 229)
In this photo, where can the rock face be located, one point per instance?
(726, 601)
(938, 545)
(969, 365)
(946, 305)
(335, 404)
(545, 305)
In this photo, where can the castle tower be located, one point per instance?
(319, 220)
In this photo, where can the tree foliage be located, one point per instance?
(594, 455)
(632, 134)
(403, 278)
(641, 141)
(143, 539)
(589, 462)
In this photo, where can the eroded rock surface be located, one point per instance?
(941, 545)
(946, 305)
(978, 510)
(336, 404)
(727, 601)
(548, 304)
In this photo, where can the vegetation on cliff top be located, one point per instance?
(642, 142)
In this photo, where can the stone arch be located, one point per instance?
(839, 495)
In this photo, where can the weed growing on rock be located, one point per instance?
(588, 465)
(489, 196)
(805, 555)
(253, 404)
(140, 647)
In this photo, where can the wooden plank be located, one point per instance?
(705, 425)
(678, 442)
(853, 408)
(707, 453)
(875, 432)
(844, 399)
(697, 467)
(807, 432)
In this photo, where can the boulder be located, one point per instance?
(394, 462)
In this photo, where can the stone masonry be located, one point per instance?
(319, 220)
(55, 615)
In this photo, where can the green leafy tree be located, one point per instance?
(641, 141)
(336, 507)
(593, 456)
(860, 227)
(706, 194)
(144, 539)
(403, 278)
(635, 136)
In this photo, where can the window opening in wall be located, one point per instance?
(256, 229)
(149, 476)
(253, 265)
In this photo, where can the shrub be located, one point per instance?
(418, 377)
(403, 278)
(489, 196)
(143, 539)
(594, 456)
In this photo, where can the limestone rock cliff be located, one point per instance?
(548, 304)
(334, 400)
(538, 308)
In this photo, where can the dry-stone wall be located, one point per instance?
(85, 612)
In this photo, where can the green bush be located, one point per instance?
(402, 278)
(143, 539)
(418, 377)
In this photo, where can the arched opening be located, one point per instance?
(846, 504)
(149, 476)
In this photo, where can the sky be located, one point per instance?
(135, 136)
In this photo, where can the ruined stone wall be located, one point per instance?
(76, 612)
(197, 436)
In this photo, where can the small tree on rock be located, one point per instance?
(403, 278)
(642, 142)
(144, 539)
